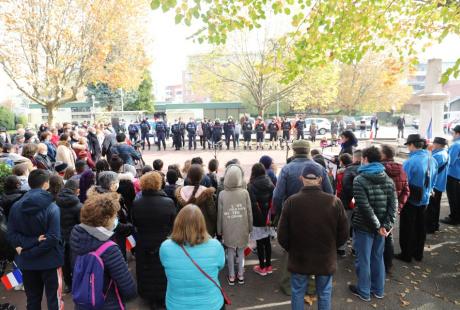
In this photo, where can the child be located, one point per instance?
(158, 166)
(170, 188)
(260, 190)
(344, 161)
(213, 165)
(323, 143)
(234, 220)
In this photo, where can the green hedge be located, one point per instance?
(6, 118)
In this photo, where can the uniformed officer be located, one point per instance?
(206, 126)
(160, 129)
(217, 134)
(260, 132)
(247, 131)
(191, 133)
(273, 128)
(299, 126)
(175, 130)
(229, 131)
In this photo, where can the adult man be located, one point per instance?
(206, 127)
(229, 132)
(401, 123)
(421, 170)
(191, 133)
(373, 219)
(160, 129)
(45, 137)
(34, 231)
(334, 131)
(175, 130)
(273, 128)
(299, 126)
(441, 156)
(126, 152)
(247, 131)
(133, 131)
(286, 127)
(288, 184)
(182, 132)
(312, 222)
(93, 144)
(107, 144)
(260, 133)
(145, 133)
(453, 180)
(217, 134)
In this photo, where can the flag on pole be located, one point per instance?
(130, 242)
(429, 131)
(12, 279)
(371, 137)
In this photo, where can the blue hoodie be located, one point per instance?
(454, 165)
(415, 168)
(442, 158)
(33, 215)
(371, 168)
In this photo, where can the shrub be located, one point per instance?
(5, 171)
(6, 118)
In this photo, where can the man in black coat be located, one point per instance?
(93, 145)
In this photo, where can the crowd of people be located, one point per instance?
(78, 204)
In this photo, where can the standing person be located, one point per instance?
(267, 161)
(199, 195)
(213, 166)
(441, 156)
(286, 126)
(69, 206)
(64, 152)
(237, 134)
(191, 246)
(45, 138)
(260, 133)
(182, 129)
(191, 133)
(34, 231)
(200, 132)
(124, 151)
(312, 222)
(313, 130)
(421, 171)
(401, 123)
(229, 130)
(273, 129)
(207, 134)
(42, 159)
(98, 220)
(375, 124)
(107, 144)
(171, 186)
(153, 217)
(247, 131)
(160, 129)
(217, 135)
(299, 126)
(334, 131)
(145, 133)
(349, 142)
(288, 184)
(260, 190)
(94, 147)
(373, 220)
(453, 180)
(345, 160)
(234, 220)
(175, 130)
(396, 172)
(362, 128)
(133, 132)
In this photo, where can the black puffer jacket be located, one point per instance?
(153, 217)
(260, 191)
(9, 198)
(70, 207)
(376, 202)
(351, 171)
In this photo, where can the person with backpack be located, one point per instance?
(160, 129)
(145, 133)
(69, 205)
(34, 231)
(260, 190)
(111, 284)
(133, 131)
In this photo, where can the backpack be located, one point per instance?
(132, 129)
(88, 279)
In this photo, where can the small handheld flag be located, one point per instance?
(130, 242)
(429, 131)
(12, 279)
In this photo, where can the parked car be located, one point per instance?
(323, 125)
(416, 123)
(351, 122)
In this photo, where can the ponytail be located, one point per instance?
(192, 198)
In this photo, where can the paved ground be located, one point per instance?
(432, 284)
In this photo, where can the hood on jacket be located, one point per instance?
(85, 239)
(263, 183)
(371, 168)
(35, 201)
(233, 178)
(66, 198)
(393, 169)
(375, 178)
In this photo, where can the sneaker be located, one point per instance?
(377, 296)
(260, 271)
(354, 291)
(231, 280)
(240, 280)
(269, 269)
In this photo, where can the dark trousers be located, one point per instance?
(227, 140)
(67, 268)
(453, 195)
(133, 137)
(161, 140)
(432, 212)
(201, 140)
(264, 252)
(145, 136)
(300, 134)
(247, 136)
(36, 280)
(260, 136)
(412, 233)
(388, 252)
(191, 141)
(177, 141)
(182, 137)
(401, 133)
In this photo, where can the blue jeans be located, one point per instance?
(369, 264)
(299, 283)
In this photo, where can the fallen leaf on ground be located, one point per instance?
(405, 267)
(404, 303)
(424, 276)
(349, 300)
(434, 253)
(403, 294)
(413, 274)
(407, 291)
(428, 270)
(374, 305)
(260, 299)
(309, 299)
(417, 267)
(415, 288)
(437, 295)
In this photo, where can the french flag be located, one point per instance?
(12, 279)
(130, 242)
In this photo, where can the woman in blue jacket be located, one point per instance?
(188, 288)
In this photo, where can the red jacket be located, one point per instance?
(396, 172)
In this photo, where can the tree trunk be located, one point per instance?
(261, 111)
(50, 109)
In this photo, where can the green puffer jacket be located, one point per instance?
(376, 202)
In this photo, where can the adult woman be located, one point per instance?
(349, 141)
(56, 185)
(64, 152)
(101, 165)
(81, 150)
(153, 217)
(28, 151)
(188, 288)
(199, 195)
(126, 185)
(98, 219)
(42, 159)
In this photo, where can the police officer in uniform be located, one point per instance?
(175, 130)
(247, 131)
(182, 132)
(145, 132)
(286, 127)
(260, 132)
(217, 134)
(229, 131)
(273, 128)
(206, 133)
(160, 129)
(300, 125)
(191, 133)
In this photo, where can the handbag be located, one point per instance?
(227, 300)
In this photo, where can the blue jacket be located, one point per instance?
(454, 164)
(289, 183)
(442, 158)
(126, 152)
(415, 168)
(188, 288)
(33, 215)
(51, 150)
(85, 239)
